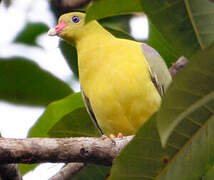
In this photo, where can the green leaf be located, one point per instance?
(209, 175)
(120, 23)
(160, 44)
(30, 33)
(176, 19)
(172, 21)
(75, 124)
(191, 91)
(186, 24)
(24, 82)
(107, 8)
(25, 168)
(54, 112)
(201, 16)
(95, 172)
(118, 26)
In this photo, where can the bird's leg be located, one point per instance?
(120, 135)
(111, 137)
(104, 136)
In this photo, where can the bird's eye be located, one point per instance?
(75, 19)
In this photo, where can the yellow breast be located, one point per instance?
(115, 77)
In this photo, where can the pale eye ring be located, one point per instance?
(75, 19)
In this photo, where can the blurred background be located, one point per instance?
(26, 52)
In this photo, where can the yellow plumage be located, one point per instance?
(114, 75)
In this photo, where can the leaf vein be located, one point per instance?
(193, 121)
(167, 7)
(191, 17)
(182, 134)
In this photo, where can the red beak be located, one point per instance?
(57, 29)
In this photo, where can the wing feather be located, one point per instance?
(158, 69)
(91, 112)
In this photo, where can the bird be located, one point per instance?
(122, 81)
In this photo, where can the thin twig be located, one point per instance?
(68, 171)
(178, 65)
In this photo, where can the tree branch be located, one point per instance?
(64, 5)
(178, 65)
(40, 150)
(68, 171)
(10, 172)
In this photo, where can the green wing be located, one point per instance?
(91, 112)
(158, 69)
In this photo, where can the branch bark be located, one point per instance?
(64, 5)
(40, 150)
(68, 171)
(178, 65)
(10, 172)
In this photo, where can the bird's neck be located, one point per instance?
(90, 45)
(93, 35)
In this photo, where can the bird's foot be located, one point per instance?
(104, 137)
(120, 135)
(112, 136)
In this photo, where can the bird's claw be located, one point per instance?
(120, 135)
(112, 136)
(104, 137)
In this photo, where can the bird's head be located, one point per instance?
(69, 26)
